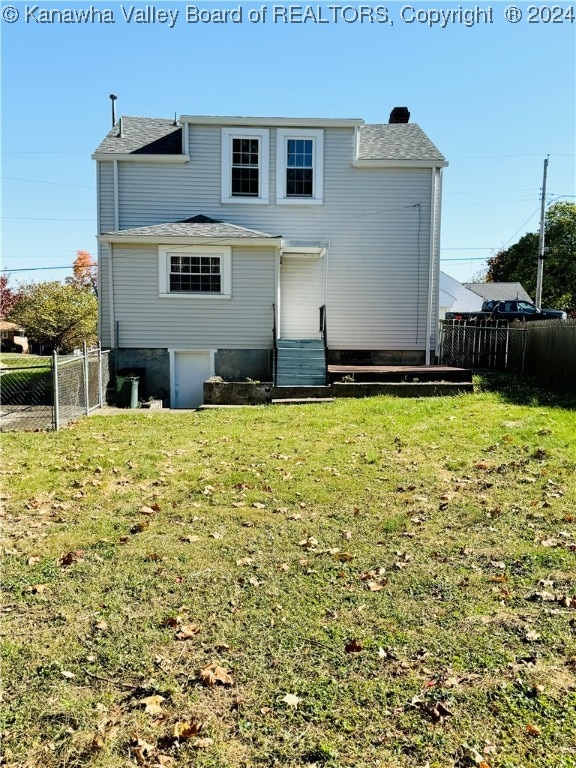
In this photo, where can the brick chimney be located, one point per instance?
(399, 115)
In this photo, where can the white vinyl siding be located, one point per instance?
(187, 322)
(377, 221)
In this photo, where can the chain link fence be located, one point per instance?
(43, 393)
(478, 345)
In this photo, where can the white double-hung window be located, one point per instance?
(299, 166)
(195, 271)
(245, 165)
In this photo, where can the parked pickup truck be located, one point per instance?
(512, 309)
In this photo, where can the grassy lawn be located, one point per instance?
(383, 582)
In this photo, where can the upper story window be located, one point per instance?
(245, 165)
(299, 167)
(200, 271)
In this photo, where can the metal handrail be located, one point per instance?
(324, 332)
(274, 347)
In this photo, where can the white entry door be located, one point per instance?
(301, 296)
(189, 372)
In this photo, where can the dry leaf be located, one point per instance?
(67, 675)
(142, 751)
(244, 561)
(213, 673)
(188, 631)
(259, 505)
(216, 535)
(183, 731)
(533, 730)
(203, 743)
(36, 589)
(33, 560)
(354, 646)
(190, 539)
(139, 527)
(152, 704)
(291, 700)
(71, 557)
(342, 557)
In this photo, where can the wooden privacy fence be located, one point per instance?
(544, 349)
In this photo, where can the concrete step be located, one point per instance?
(300, 381)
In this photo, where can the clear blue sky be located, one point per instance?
(496, 98)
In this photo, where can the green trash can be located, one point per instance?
(127, 391)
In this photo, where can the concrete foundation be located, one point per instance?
(220, 392)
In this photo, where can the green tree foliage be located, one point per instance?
(520, 261)
(61, 316)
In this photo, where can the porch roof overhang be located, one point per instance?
(304, 247)
(198, 230)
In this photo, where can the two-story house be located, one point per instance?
(220, 236)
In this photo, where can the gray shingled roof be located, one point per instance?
(153, 136)
(144, 136)
(197, 226)
(396, 141)
(499, 291)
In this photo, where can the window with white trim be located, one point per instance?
(299, 166)
(199, 271)
(245, 165)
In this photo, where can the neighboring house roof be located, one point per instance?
(197, 226)
(6, 326)
(499, 291)
(144, 136)
(156, 136)
(396, 141)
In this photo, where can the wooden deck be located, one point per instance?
(400, 373)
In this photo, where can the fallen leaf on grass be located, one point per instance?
(139, 527)
(259, 505)
(142, 751)
(342, 557)
(436, 710)
(203, 743)
(33, 560)
(36, 589)
(190, 539)
(152, 704)
(187, 631)
(244, 561)
(183, 731)
(67, 675)
(354, 646)
(70, 558)
(533, 730)
(291, 700)
(211, 674)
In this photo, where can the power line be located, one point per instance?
(41, 181)
(36, 269)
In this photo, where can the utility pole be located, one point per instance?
(538, 297)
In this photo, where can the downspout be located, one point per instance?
(99, 232)
(431, 262)
(113, 339)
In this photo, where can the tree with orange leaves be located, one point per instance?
(85, 273)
